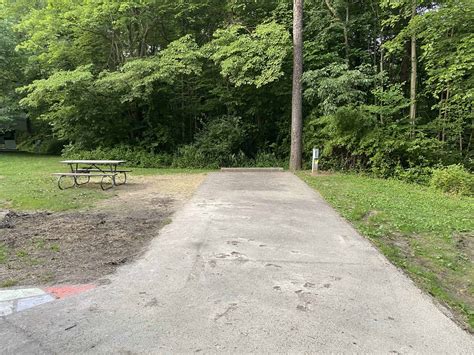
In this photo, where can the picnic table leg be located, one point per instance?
(75, 178)
(113, 169)
(124, 178)
(116, 174)
(63, 188)
(102, 185)
(71, 166)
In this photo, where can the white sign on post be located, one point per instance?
(315, 162)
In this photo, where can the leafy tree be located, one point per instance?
(11, 74)
(153, 75)
(335, 86)
(250, 58)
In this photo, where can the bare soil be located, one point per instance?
(44, 248)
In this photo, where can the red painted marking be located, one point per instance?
(64, 291)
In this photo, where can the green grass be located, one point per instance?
(8, 283)
(26, 184)
(3, 253)
(428, 234)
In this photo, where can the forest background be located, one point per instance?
(388, 84)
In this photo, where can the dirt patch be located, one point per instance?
(369, 215)
(46, 248)
(465, 244)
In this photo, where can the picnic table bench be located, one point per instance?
(107, 170)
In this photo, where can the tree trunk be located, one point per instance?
(381, 79)
(413, 75)
(346, 36)
(445, 113)
(297, 95)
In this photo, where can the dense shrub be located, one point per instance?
(220, 141)
(188, 156)
(418, 175)
(453, 179)
(220, 144)
(353, 139)
(269, 160)
(135, 157)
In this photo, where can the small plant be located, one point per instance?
(55, 248)
(21, 254)
(166, 221)
(39, 243)
(8, 283)
(3, 254)
(454, 179)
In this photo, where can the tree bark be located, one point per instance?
(346, 35)
(297, 95)
(413, 75)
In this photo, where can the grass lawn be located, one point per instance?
(26, 184)
(428, 234)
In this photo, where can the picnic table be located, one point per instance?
(108, 170)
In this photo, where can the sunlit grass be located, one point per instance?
(26, 183)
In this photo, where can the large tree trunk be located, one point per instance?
(297, 96)
(413, 75)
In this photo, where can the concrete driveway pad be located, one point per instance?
(255, 262)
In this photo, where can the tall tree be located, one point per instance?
(297, 95)
(413, 76)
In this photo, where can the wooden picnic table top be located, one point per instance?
(97, 162)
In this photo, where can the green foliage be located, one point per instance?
(444, 31)
(353, 138)
(221, 137)
(10, 75)
(390, 103)
(218, 144)
(189, 156)
(453, 179)
(250, 58)
(417, 174)
(152, 75)
(138, 78)
(135, 157)
(268, 160)
(335, 86)
(398, 156)
(161, 83)
(68, 102)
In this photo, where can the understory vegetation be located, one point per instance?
(388, 85)
(426, 233)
